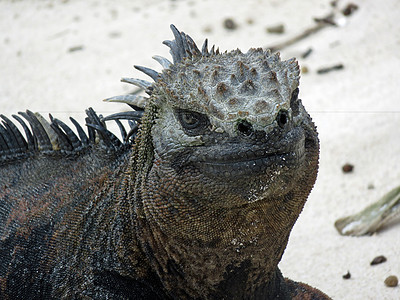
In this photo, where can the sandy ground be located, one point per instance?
(356, 109)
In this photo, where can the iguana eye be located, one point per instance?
(192, 122)
(189, 120)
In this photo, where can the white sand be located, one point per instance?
(357, 109)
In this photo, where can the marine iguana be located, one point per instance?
(196, 202)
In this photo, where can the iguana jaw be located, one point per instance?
(249, 161)
(244, 157)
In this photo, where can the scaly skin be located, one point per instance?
(200, 208)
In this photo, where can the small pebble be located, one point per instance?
(307, 53)
(349, 9)
(391, 281)
(207, 29)
(76, 48)
(114, 34)
(278, 29)
(347, 168)
(304, 70)
(329, 69)
(378, 260)
(250, 21)
(230, 24)
(347, 276)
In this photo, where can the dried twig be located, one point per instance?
(321, 23)
(329, 69)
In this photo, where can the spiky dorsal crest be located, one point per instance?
(57, 138)
(181, 47)
(55, 135)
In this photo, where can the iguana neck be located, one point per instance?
(203, 252)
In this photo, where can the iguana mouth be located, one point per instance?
(250, 161)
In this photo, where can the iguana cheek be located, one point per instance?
(169, 137)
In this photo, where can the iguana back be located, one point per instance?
(56, 191)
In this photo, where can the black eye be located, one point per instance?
(192, 122)
(189, 120)
(282, 118)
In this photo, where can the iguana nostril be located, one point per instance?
(244, 127)
(282, 118)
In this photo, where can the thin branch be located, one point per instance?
(321, 23)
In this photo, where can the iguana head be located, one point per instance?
(228, 133)
(232, 118)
